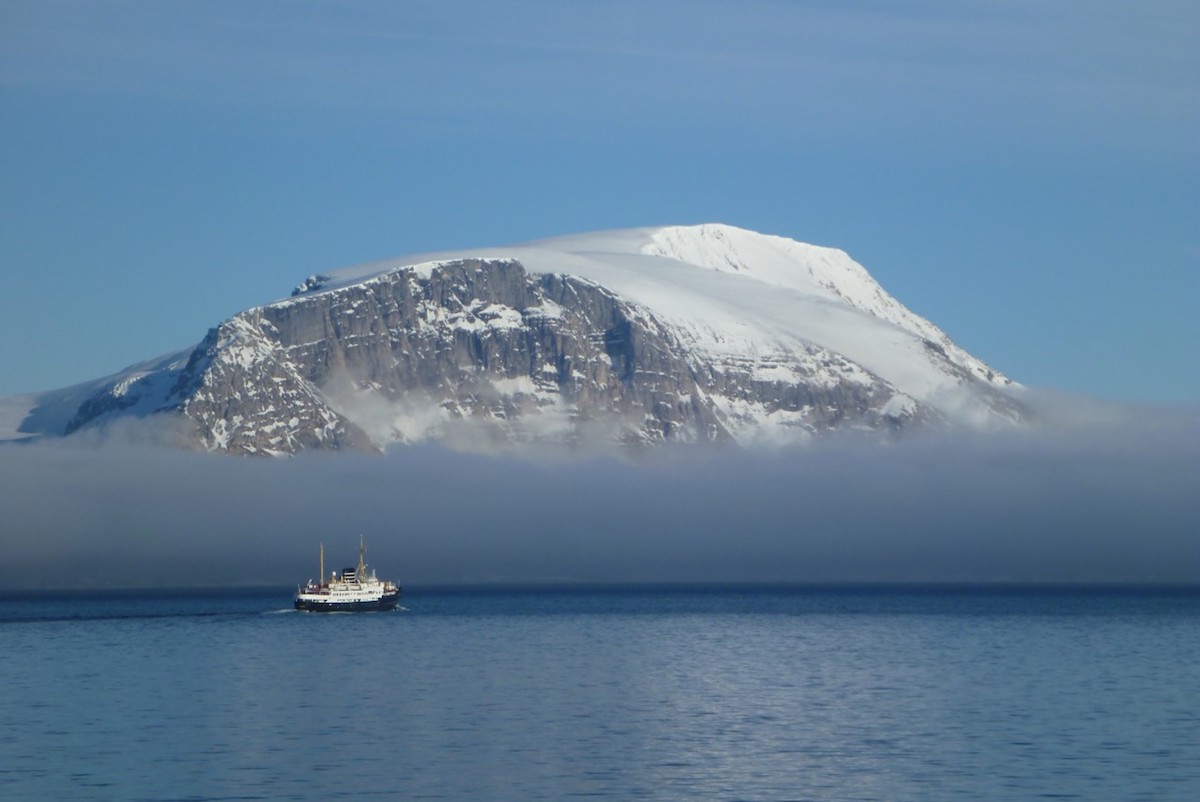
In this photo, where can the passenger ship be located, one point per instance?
(351, 590)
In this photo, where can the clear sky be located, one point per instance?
(1025, 174)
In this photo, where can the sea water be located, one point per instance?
(728, 693)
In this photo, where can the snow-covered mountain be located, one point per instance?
(697, 333)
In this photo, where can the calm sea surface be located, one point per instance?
(719, 693)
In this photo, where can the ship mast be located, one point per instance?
(321, 573)
(362, 567)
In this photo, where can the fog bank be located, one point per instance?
(1095, 503)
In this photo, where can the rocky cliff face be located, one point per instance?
(483, 353)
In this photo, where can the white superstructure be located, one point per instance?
(351, 589)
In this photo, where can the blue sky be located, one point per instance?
(1024, 174)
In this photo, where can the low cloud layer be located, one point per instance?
(1115, 500)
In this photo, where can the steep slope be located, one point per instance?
(704, 333)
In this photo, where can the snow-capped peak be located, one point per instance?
(710, 329)
(772, 259)
(811, 269)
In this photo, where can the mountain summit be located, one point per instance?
(703, 333)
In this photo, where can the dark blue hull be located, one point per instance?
(388, 602)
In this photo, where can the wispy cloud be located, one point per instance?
(927, 65)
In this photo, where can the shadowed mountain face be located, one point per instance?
(483, 353)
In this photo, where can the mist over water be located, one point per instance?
(1094, 503)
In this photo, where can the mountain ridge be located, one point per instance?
(706, 333)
